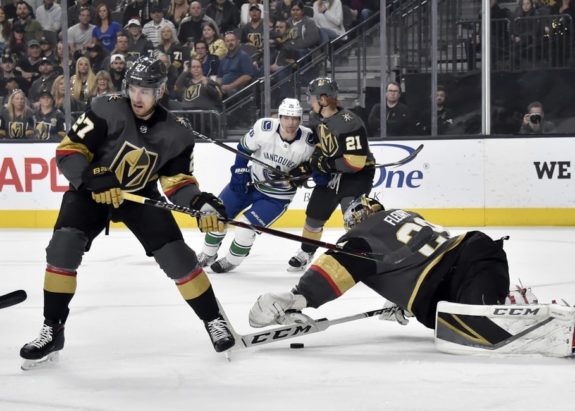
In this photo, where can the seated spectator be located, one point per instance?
(106, 29)
(245, 11)
(32, 29)
(48, 120)
(225, 14)
(236, 69)
(49, 15)
(216, 45)
(117, 70)
(252, 33)
(83, 81)
(196, 91)
(17, 47)
(177, 11)
(190, 29)
(122, 48)
(172, 74)
(170, 46)
(44, 82)
(444, 115)
(304, 33)
(74, 12)
(398, 121)
(138, 10)
(47, 49)
(17, 117)
(5, 30)
(328, 17)
(58, 92)
(534, 121)
(210, 63)
(282, 10)
(8, 73)
(29, 65)
(152, 28)
(98, 57)
(138, 44)
(104, 85)
(80, 34)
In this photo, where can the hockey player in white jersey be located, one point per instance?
(286, 146)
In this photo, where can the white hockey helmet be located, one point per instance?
(290, 107)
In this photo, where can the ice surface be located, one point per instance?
(133, 344)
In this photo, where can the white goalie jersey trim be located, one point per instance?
(266, 145)
(544, 329)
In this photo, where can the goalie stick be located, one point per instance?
(13, 298)
(402, 161)
(397, 256)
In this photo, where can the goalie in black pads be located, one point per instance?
(417, 265)
(127, 142)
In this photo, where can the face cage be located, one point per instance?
(355, 214)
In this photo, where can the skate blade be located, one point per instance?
(291, 269)
(28, 365)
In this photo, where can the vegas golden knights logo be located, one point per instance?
(321, 82)
(43, 131)
(192, 92)
(255, 39)
(328, 142)
(133, 166)
(16, 129)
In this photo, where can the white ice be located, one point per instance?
(133, 344)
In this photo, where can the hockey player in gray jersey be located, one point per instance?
(127, 142)
(285, 145)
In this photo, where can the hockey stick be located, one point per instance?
(13, 298)
(194, 213)
(239, 153)
(404, 160)
(291, 331)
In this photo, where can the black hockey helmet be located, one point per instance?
(360, 209)
(322, 85)
(146, 72)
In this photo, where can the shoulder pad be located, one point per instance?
(267, 124)
(110, 106)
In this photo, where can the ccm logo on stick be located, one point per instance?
(280, 334)
(515, 311)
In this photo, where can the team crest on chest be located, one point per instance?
(328, 142)
(133, 166)
(143, 128)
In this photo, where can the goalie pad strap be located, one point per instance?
(504, 329)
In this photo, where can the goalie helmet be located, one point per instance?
(290, 107)
(359, 210)
(321, 86)
(146, 72)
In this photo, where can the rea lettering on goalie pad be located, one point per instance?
(545, 329)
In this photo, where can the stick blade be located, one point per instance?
(13, 298)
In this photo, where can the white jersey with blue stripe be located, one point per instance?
(264, 143)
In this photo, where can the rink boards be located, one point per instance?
(473, 182)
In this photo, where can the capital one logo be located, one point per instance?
(403, 176)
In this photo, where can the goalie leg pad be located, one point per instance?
(66, 248)
(504, 329)
(176, 259)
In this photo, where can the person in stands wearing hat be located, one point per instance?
(245, 11)
(32, 29)
(152, 28)
(136, 10)
(106, 30)
(8, 75)
(138, 44)
(44, 82)
(117, 70)
(48, 120)
(253, 32)
(29, 65)
(80, 35)
(47, 49)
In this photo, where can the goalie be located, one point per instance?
(416, 266)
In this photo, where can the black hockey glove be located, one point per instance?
(213, 212)
(103, 184)
(321, 163)
(241, 176)
(301, 173)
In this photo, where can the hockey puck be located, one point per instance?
(296, 345)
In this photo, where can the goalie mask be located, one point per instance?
(323, 86)
(146, 72)
(359, 210)
(290, 107)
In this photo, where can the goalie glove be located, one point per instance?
(103, 184)
(393, 312)
(282, 308)
(213, 212)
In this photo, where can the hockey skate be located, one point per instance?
(204, 260)
(521, 296)
(299, 261)
(45, 348)
(220, 334)
(222, 266)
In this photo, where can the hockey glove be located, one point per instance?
(241, 176)
(393, 312)
(300, 174)
(103, 184)
(213, 215)
(321, 163)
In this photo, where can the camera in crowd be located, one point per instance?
(535, 118)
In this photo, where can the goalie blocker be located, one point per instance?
(545, 329)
